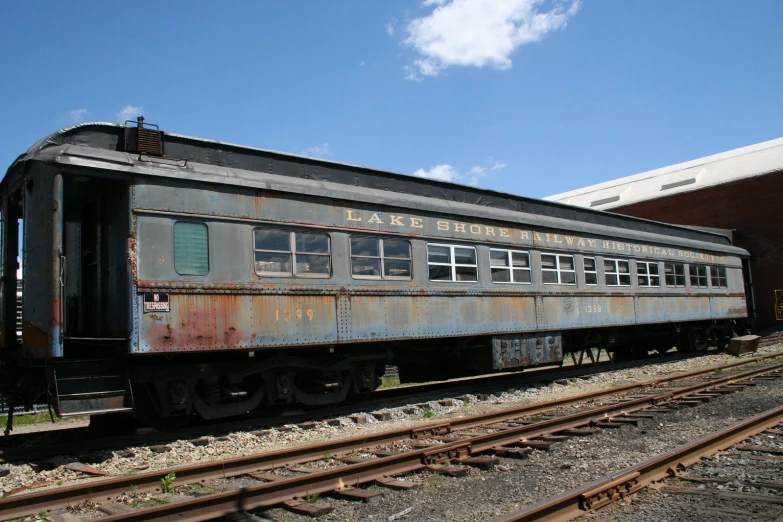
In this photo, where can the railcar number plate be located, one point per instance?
(156, 302)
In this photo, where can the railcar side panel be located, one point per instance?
(722, 307)
(225, 321)
(585, 311)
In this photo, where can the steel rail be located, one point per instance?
(601, 492)
(277, 492)
(19, 505)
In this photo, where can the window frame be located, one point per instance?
(617, 272)
(593, 271)
(724, 277)
(382, 258)
(510, 267)
(691, 275)
(174, 246)
(674, 275)
(453, 264)
(292, 253)
(647, 274)
(557, 268)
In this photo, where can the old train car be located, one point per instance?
(172, 276)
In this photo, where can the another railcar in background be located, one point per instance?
(172, 276)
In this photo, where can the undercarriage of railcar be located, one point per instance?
(169, 391)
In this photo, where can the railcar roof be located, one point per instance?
(231, 157)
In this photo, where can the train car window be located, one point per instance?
(617, 272)
(509, 266)
(648, 274)
(718, 276)
(698, 276)
(452, 263)
(557, 269)
(591, 272)
(284, 253)
(674, 273)
(191, 248)
(374, 258)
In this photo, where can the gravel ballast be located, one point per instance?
(241, 443)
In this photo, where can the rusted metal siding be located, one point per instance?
(38, 303)
(399, 317)
(210, 322)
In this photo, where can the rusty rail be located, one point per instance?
(271, 493)
(599, 493)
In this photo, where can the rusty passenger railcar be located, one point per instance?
(174, 276)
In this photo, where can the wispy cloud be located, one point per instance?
(473, 177)
(391, 26)
(479, 33)
(129, 112)
(78, 115)
(498, 166)
(319, 151)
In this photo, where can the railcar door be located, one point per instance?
(91, 376)
(95, 242)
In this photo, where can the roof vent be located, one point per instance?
(600, 202)
(144, 139)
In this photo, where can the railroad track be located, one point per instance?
(600, 493)
(287, 477)
(24, 446)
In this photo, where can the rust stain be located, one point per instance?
(35, 340)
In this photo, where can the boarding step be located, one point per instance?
(91, 386)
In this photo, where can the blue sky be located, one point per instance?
(524, 96)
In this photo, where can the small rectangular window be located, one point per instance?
(557, 269)
(718, 276)
(191, 248)
(617, 272)
(674, 273)
(285, 253)
(509, 266)
(647, 274)
(698, 276)
(374, 258)
(452, 263)
(591, 273)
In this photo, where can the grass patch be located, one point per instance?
(427, 414)
(536, 418)
(27, 419)
(312, 499)
(392, 381)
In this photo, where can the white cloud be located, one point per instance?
(439, 172)
(129, 112)
(391, 27)
(479, 33)
(78, 115)
(473, 177)
(318, 151)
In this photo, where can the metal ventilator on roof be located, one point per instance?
(147, 140)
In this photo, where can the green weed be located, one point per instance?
(167, 483)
